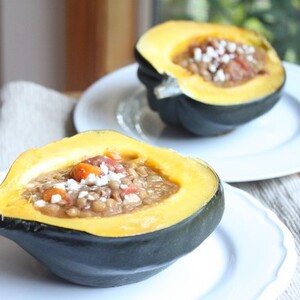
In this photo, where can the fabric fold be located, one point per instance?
(32, 116)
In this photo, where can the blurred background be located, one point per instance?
(69, 44)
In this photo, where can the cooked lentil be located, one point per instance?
(99, 186)
(223, 62)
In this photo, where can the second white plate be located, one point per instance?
(264, 148)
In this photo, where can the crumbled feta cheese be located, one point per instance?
(102, 180)
(102, 199)
(231, 47)
(91, 179)
(212, 68)
(40, 203)
(123, 186)
(115, 176)
(82, 194)
(250, 49)
(206, 58)
(210, 51)
(91, 197)
(249, 58)
(104, 168)
(131, 198)
(220, 76)
(223, 43)
(73, 185)
(221, 50)
(60, 185)
(55, 198)
(197, 54)
(225, 59)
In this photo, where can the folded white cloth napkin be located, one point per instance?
(31, 116)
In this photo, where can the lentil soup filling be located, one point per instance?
(224, 63)
(104, 185)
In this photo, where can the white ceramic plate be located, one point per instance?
(265, 148)
(251, 255)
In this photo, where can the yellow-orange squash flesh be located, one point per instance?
(162, 43)
(197, 184)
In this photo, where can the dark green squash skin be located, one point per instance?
(90, 260)
(197, 117)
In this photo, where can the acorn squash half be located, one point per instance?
(191, 102)
(121, 249)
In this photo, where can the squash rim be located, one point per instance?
(34, 160)
(162, 36)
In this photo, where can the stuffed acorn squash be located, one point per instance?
(208, 78)
(86, 244)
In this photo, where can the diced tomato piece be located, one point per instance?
(132, 189)
(243, 64)
(54, 191)
(83, 170)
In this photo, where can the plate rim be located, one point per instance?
(285, 273)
